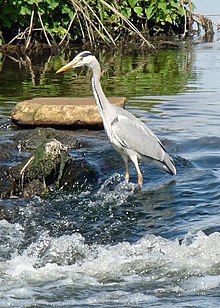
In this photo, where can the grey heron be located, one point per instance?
(127, 134)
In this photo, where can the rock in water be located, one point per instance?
(37, 161)
(58, 111)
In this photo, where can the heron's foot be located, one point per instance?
(138, 188)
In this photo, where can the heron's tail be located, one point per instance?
(168, 165)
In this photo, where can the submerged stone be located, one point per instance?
(30, 139)
(58, 111)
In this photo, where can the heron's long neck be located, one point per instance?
(100, 97)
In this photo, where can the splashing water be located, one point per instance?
(124, 273)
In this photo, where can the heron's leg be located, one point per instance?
(127, 173)
(140, 176)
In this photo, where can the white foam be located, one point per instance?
(122, 273)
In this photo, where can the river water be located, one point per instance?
(109, 246)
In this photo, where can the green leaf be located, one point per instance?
(139, 11)
(162, 6)
(174, 3)
(149, 12)
(181, 11)
(132, 3)
(126, 12)
(25, 11)
(169, 19)
(67, 10)
(174, 16)
(52, 6)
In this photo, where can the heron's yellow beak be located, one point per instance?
(71, 64)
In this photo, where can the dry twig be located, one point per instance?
(68, 29)
(44, 29)
(30, 29)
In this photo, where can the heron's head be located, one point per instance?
(83, 58)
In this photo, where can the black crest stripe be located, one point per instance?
(86, 54)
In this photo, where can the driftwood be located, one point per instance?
(204, 22)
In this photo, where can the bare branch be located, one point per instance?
(30, 29)
(100, 22)
(44, 29)
(68, 29)
(127, 21)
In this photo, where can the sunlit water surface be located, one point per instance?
(111, 247)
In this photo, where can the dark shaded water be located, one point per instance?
(109, 247)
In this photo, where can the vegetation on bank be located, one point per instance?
(56, 22)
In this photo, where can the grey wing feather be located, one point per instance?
(132, 133)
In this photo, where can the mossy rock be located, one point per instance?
(33, 162)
